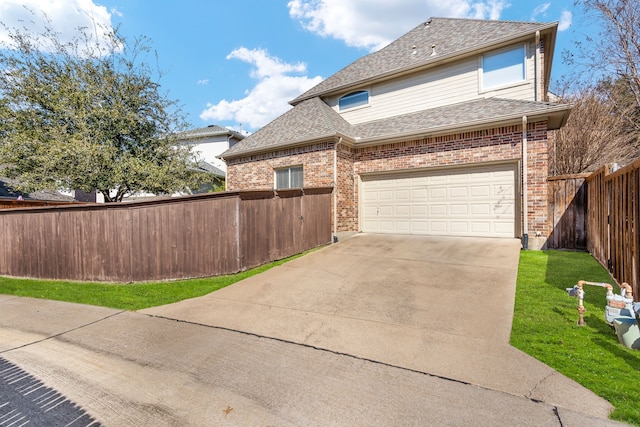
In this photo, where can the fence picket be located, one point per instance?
(174, 238)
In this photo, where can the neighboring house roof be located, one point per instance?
(453, 38)
(7, 190)
(209, 131)
(313, 120)
(203, 166)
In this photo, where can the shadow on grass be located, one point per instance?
(630, 357)
(566, 268)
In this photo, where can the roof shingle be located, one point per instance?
(313, 119)
(450, 37)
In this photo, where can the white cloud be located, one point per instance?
(540, 10)
(203, 82)
(565, 20)
(65, 16)
(269, 97)
(372, 24)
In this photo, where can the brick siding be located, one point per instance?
(489, 145)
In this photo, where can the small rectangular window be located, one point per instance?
(503, 68)
(289, 178)
(353, 100)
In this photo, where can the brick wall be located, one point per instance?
(538, 171)
(256, 172)
(489, 145)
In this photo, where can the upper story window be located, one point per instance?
(290, 177)
(354, 99)
(503, 68)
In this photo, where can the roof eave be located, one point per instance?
(434, 62)
(556, 117)
(289, 144)
(209, 135)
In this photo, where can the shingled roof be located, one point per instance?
(208, 131)
(7, 190)
(451, 37)
(313, 120)
(310, 120)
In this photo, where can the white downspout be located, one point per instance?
(335, 191)
(536, 68)
(525, 197)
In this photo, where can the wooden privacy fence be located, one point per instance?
(567, 212)
(196, 236)
(14, 203)
(613, 237)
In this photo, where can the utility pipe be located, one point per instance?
(536, 68)
(525, 197)
(335, 191)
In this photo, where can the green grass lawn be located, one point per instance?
(544, 323)
(545, 327)
(129, 296)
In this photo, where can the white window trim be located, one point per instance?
(523, 82)
(358, 107)
(275, 176)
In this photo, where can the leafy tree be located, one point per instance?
(87, 115)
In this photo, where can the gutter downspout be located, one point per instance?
(525, 197)
(335, 191)
(536, 68)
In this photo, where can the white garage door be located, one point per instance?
(478, 201)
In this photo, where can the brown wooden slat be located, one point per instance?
(194, 236)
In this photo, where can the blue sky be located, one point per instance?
(237, 63)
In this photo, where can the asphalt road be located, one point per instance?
(26, 401)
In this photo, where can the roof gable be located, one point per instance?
(451, 37)
(308, 121)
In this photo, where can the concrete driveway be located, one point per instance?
(436, 305)
(376, 330)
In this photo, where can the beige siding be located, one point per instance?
(449, 84)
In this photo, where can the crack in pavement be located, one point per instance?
(62, 333)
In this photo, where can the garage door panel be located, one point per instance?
(459, 192)
(504, 209)
(481, 209)
(480, 190)
(459, 227)
(503, 191)
(503, 227)
(419, 194)
(459, 210)
(403, 227)
(385, 210)
(385, 195)
(403, 210)
(419, 211)
(438, 227)
(438, 193)
(369, 211)
(477, 201)
(438, 210)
